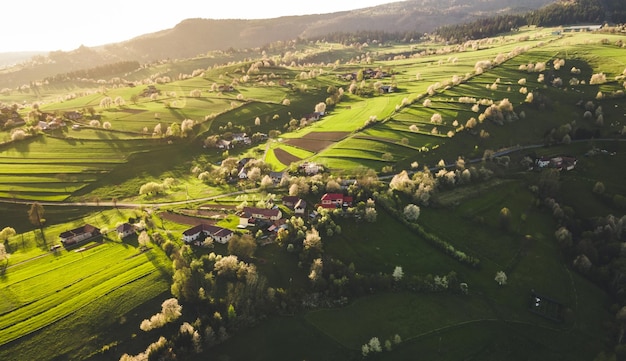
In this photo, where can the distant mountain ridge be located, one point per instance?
(196, 36)
(193, 37)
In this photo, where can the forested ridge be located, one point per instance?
(559, 13)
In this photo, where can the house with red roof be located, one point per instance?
(335, 200)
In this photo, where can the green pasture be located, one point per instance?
(90, 291)
(527, 252)
(48, 168)
(388, 244)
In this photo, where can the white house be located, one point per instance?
(124, 230)
(79, 234)
(300, 207)
(201, 231)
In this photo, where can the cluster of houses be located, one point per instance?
(269, 220)
(237, 138)
(560, 163)
(367, 74)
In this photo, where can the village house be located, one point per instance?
(313, 117)
(250, 215)
(300, 207)
(241, 138)
(78, 235)
(276, 177)
(335, 200)
(310, 168)
(222, 144)
(560, 163)
(124, 230)
(200, 232)
(225, 88)
(387, 89)
(73, 115)
(290, 201)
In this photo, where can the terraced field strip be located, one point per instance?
(316, 141)
(285, 157)
(41, 296)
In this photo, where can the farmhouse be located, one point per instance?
(310, 168)
(300, 206)
(277, 177)
(263, 213)
(250, 215)
(73, 115)
(78, 235)
(313, 117)
(581, 28)
(560, 163)
(296, 203)
(201, 231)
(225, 88)
(387, 89)
(335, 200)
(222, 144)
(290, 201)
(124, 230)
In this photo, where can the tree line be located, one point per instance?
(581, 11)
(101, 71)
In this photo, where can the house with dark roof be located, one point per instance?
(203, 230)
(73, 115)
(263, 213)
(300, 207)
(125, 229)
(277, 177)
(77, 235)
(250, 215)
(290, 201)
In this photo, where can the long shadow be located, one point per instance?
(164, 271)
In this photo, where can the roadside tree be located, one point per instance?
(36, 217)
(4, 256)
(6, 233)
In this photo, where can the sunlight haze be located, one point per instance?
(67, 24)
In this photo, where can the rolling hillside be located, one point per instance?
(194, 37)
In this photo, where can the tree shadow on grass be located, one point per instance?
(163, 270)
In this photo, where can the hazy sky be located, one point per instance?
(49, 25)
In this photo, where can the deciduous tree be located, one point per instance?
(242, 246)
(36, 217)
(4, 255)
(501, 278)
(6, 233)
(411, 212)
(397, 273)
